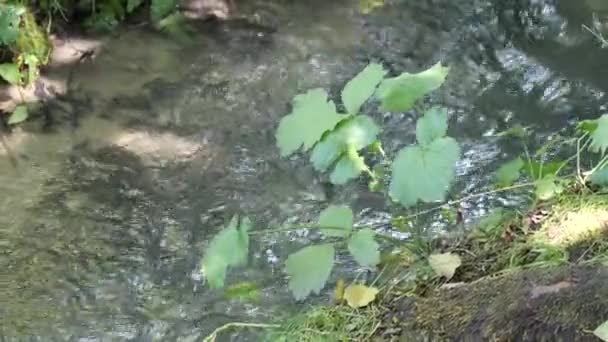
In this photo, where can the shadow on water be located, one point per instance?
(103, 225)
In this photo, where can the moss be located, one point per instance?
(330, 323)
(519, 281)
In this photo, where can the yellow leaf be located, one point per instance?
(339, 291)
(445, 264)
(358, 296)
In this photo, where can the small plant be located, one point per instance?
(336, 141)
(422, 172)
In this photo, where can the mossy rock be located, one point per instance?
(552, 304)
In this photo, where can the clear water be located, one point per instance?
(103, 222)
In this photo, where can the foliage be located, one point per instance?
(358, 296)
(338, 143)
(424, 172)
(362, 87)
(19, 115)
(602, 331)
(10, 73)
(228, 248)
(508, 173)
(401, 92)
(599, 136)
(339, 217)
(363, 248)
(309, 269)
(22, 34)
(311, 117)
(245, 291)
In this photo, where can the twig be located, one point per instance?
(213, 335)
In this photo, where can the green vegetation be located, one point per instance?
(342, 142)
(25, 26)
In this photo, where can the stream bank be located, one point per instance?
(157, 142)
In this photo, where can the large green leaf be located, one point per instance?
(19, 115)
(400, 93)
(10, 73)
(424, 173)
(599, 137)
(433, 125)
(600, 177)
(312, 116)
(348, 167)
(228, 248)
(337, 216)
(357, 132)
(364, 248)
(10, 17)
(509, 172)
(309, 269)
(360, 88)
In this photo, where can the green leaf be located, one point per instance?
(360, 88)
(357, 133)
(508, 173)
(10, 17)
(602, 332)
(133, 4)
(161, 8)
(547, 188)
(10, 73)
(433, 125)
(19, 115)
(364, 248)
(599, 137)
(336, 216)
(311, 117)
(445, 264)
(245, 291)
(308, 269)
(600, 177)
(586, 126)
(400, 93)
(424, 173)
(228, 248)
(348, 167)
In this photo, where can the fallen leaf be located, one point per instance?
(358, 296)
(445, 264)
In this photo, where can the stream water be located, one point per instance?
(157, 142)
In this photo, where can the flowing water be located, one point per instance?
(122, 182)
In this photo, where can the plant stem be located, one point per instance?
(529, 158)
(573, 157)
(213, 335)
(295, 227)
(465, 198)
(598, 166)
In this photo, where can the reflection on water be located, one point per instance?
(102, 226)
